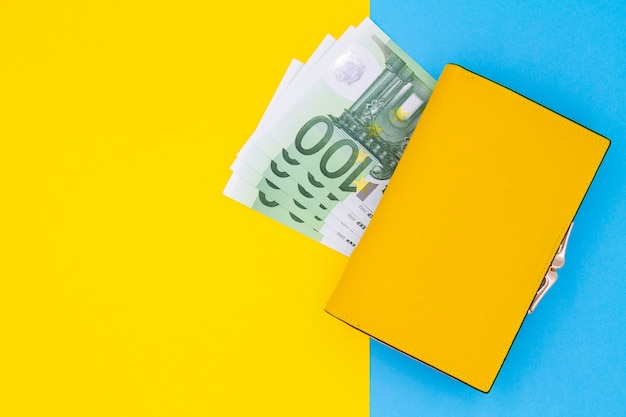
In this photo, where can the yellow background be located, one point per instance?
(129, 285)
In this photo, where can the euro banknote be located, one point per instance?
(326, 148)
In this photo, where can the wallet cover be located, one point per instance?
(468, 226)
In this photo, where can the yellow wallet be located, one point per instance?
(468, 227)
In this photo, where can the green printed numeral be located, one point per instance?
(321, 142)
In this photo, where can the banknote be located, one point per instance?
(292, 76)
(288, 211)
(295, 71)
(328, 143)
(271, 192)
(270, 179)
(241, 191)
(276, 178)
(343, 132)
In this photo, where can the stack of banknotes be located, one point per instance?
(322, 155)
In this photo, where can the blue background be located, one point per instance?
(569, 358)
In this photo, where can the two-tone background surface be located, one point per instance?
(130, 286)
